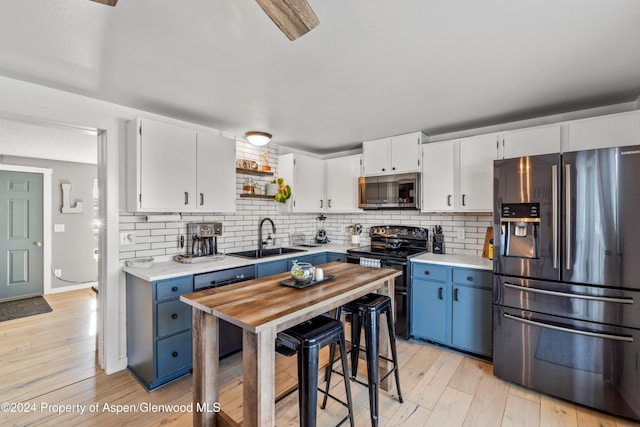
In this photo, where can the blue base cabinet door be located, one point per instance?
(270, 268)
(471, 326)
(429, 311)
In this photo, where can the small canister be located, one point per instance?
(491, 249)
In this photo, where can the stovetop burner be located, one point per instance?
(394, 242)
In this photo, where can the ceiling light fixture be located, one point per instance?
(258, 138)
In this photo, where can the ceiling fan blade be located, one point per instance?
(294, 17)
(107, 2)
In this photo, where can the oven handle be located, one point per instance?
(563, 294)
(569, 330)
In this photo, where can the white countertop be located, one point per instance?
(171, 269)
(464, 261)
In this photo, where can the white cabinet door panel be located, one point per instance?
(376, 156)
(603, 132)
(476, 172)
(438, 179)
(167, 172)
(405, 153)
(216, 174)
(342, 183)
(532, 142)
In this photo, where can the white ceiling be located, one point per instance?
(371, 69)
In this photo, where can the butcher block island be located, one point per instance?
(262, 308)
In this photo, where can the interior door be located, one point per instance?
(21, 234)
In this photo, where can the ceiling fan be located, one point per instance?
(294, 17)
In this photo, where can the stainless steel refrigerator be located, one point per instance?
(566, 313)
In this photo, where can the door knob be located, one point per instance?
(38, 244)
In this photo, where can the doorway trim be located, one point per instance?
(46, 218)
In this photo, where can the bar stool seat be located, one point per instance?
(306, 339)
(366, 311)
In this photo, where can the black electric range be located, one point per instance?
(391, 247)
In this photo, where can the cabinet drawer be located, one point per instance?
(172, 316)
(337, 257)
(465, 276)
(173, 353)
(173, 288)
(431, 272)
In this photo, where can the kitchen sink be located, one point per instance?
(255, 254)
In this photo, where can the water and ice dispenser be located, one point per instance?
(519, 230)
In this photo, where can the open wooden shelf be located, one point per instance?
(254, 172)
(256, 196)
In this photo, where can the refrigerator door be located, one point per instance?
(527, 186)
(601, 225)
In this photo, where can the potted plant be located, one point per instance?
(284, 191)
(265, 159)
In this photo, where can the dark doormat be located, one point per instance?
(23, 308)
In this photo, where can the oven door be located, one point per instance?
(400, 295)
(585, 362)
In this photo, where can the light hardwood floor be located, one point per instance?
(48, 361)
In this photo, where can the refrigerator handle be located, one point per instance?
(554, 205)
(567, 215)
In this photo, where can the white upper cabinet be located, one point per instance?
(457, 175)
(166, 169)
(616, 130)
(438, 179)
(531, 141)
(341, 175)
(305, 176)
(216, 173)
(398, 154)
(476, 172)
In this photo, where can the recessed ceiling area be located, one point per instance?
(369, 70)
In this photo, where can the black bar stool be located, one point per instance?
(366, 311)
(306, 339)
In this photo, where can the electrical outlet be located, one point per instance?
(127, 238)
(460, 234)
(58, 228)
(57, 272)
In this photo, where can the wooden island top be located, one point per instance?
(262, 308)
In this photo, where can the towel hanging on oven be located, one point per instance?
(369, 262)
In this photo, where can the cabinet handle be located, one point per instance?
(174, 316)
(329, 202)
(383, 169)
(470, 278)
(201, 199)
(186, 197)
(439, 293)
(174, 354)
(455, 294)
(393, 168)
(174, 289)
(463, 200)
(449, 200)
(427, 272)
(321, 203)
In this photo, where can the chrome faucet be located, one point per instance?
(273, 227)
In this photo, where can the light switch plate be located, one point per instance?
(58, 228)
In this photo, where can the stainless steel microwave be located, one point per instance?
(400, 191)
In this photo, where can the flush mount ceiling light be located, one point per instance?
(258, 138)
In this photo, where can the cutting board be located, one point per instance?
(488, 236)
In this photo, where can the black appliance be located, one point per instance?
(391, 247)
(401, 191)
(230, 336)
(566, 314)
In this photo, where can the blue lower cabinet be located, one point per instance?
(455, 309)
(270, 268)
(430, 310)
(174, 355)
(336, 257)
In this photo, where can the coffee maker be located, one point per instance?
(203, 239)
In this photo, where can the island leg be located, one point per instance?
(385, 348)
(205, 368)
(258, 373)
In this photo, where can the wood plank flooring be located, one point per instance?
(49, 361)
